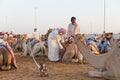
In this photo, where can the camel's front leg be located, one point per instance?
(1, 61)
(68, 56)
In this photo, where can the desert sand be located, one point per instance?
(27, 70)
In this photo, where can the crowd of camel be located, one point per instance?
(107, 64)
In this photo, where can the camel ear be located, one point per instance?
(77, 36)
(80, 36)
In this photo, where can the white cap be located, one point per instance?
(10, 35)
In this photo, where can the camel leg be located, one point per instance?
(1, 60)
(17, 48)
(68, 57)
(5, 59)
(25, 50)
(9, 62)
(61, 53)
(95, 73)
(6, 62)
(14, 63)
(104, 74)
(14, 48)
(79, 57)
(108, 75)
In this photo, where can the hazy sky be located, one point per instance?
(19, 15)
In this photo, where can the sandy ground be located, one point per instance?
(27, 70)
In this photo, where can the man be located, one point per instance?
(35, 38)
(54, 44)
(5, 38)
(92, 45)
(36, 34)
(11, 40)
(18, 43)
(73, 28)
(104, 45)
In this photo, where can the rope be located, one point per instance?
(35, 62)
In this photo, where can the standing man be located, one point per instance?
(54, 45)
(36, 34)
(73, 28)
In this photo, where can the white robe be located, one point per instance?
(54, 45)
(36, 35)
(73, 29)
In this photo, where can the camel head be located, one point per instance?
(80, 37)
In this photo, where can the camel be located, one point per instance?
(108, 64)
(71, 52)
(34, 49)
(16, 43)
(109, 36)
(27, 48)
(38, 47)
(18, 47)
(6, 61)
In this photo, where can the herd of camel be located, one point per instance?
(107, 64)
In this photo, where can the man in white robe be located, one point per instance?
(73, 28)
(36, 35)
(54, 44)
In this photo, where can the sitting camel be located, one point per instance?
(34, 48)
(28, 45)
(108, 64)
(72, 54)
(38, 47)
(7, 60)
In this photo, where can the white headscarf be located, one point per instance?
(10, 35)
(5, 35)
